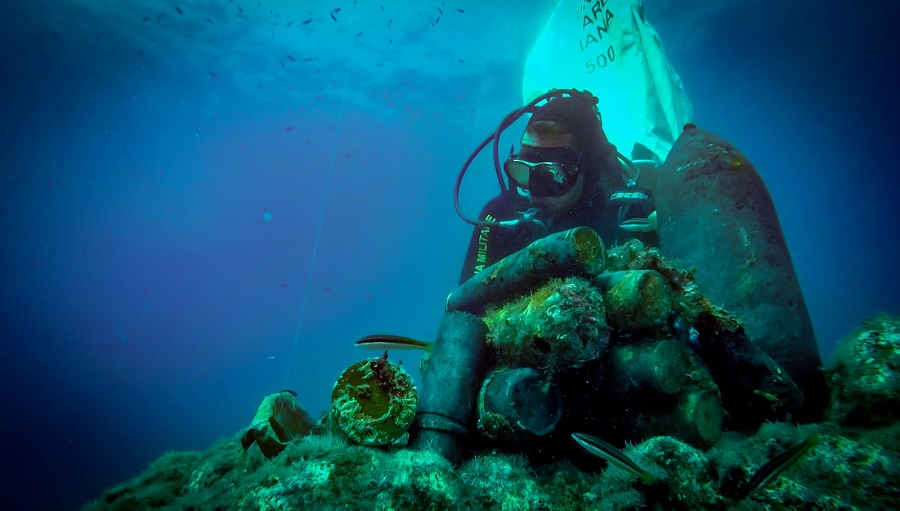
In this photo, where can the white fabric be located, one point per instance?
(607, 48)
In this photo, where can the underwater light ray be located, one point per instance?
(315, 251)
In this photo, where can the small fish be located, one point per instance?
(292, 59)
(178, 9)
(390, 21)
(309, 59)
(461, 11)
(282, 63)
(395, 342)
(288, 129)
(336, 9)
(161, 16)
(332, 17)
(640, 224)
(213, 75)
(440, 12)
(358, 34)
(307, 22)
(240, 9)
(775, 466)
(208, 20)
(436, 21)
(289, 24)
(145, 18)
(684, 331)
(614, 456)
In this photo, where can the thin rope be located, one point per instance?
(315, 251)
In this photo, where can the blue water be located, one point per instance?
(162, 184)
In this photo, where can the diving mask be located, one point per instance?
(545, 178)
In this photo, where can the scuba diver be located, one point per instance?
(566, 174)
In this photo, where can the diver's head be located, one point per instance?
(550, 177)
(561, 147)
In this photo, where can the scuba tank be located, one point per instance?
(715, 214)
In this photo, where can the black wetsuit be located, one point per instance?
(490, 244)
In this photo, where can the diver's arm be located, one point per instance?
(489, 244)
